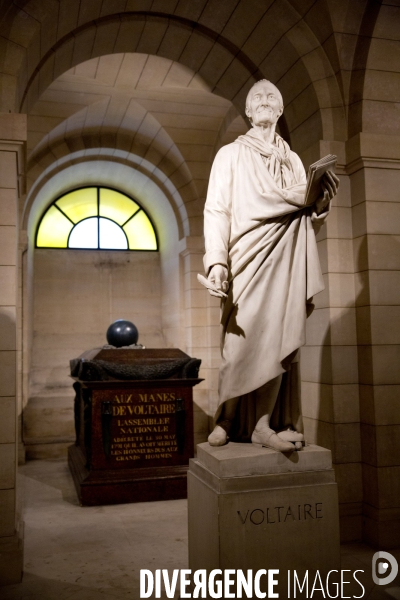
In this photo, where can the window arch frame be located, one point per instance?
(98, 188)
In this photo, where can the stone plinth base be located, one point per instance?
(254, 508)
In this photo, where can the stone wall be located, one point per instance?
(76, 296)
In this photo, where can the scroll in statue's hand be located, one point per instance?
(330, 185)
(218, 276)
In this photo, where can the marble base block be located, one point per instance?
(254, 508)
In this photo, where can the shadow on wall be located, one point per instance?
(348, 409)
(338, 418)
(337, 425)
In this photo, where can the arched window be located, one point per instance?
(96, 218)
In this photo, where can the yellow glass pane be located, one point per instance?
(80, 204)
(116, 206)
(140, 232)
(53, 230)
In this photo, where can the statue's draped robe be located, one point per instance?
(254, 226)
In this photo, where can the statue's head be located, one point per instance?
(264, 103)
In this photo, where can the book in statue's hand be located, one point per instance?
(316, 171)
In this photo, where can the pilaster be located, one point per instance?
(12, 162)
(197, 329)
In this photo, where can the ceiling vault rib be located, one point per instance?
(143, 15)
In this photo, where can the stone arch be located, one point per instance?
(360, 60)
(80, 45)
(106, 156)
(154, 147)
(314, 89)
(77, 171)
(374, 101)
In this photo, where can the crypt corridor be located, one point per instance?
(138, 96)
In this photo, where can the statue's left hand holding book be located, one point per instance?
(319, 174)
(316, 171)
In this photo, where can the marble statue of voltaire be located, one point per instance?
(261, 256)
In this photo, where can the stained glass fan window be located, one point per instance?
(96, 218)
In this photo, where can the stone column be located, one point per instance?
(13, 129)
(196, 329)
(374, 166)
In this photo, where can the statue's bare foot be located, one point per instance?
(268, 438)
(218, 437)
(289, 435)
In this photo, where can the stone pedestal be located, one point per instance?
(254, 508)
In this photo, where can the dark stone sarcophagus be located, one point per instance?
(134, 424)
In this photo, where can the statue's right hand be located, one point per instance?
(218, 276)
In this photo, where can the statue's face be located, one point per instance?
(264, 104)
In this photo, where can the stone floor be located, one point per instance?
(96, 553)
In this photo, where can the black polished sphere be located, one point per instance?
(122, 333)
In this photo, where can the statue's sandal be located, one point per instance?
(269, 439)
